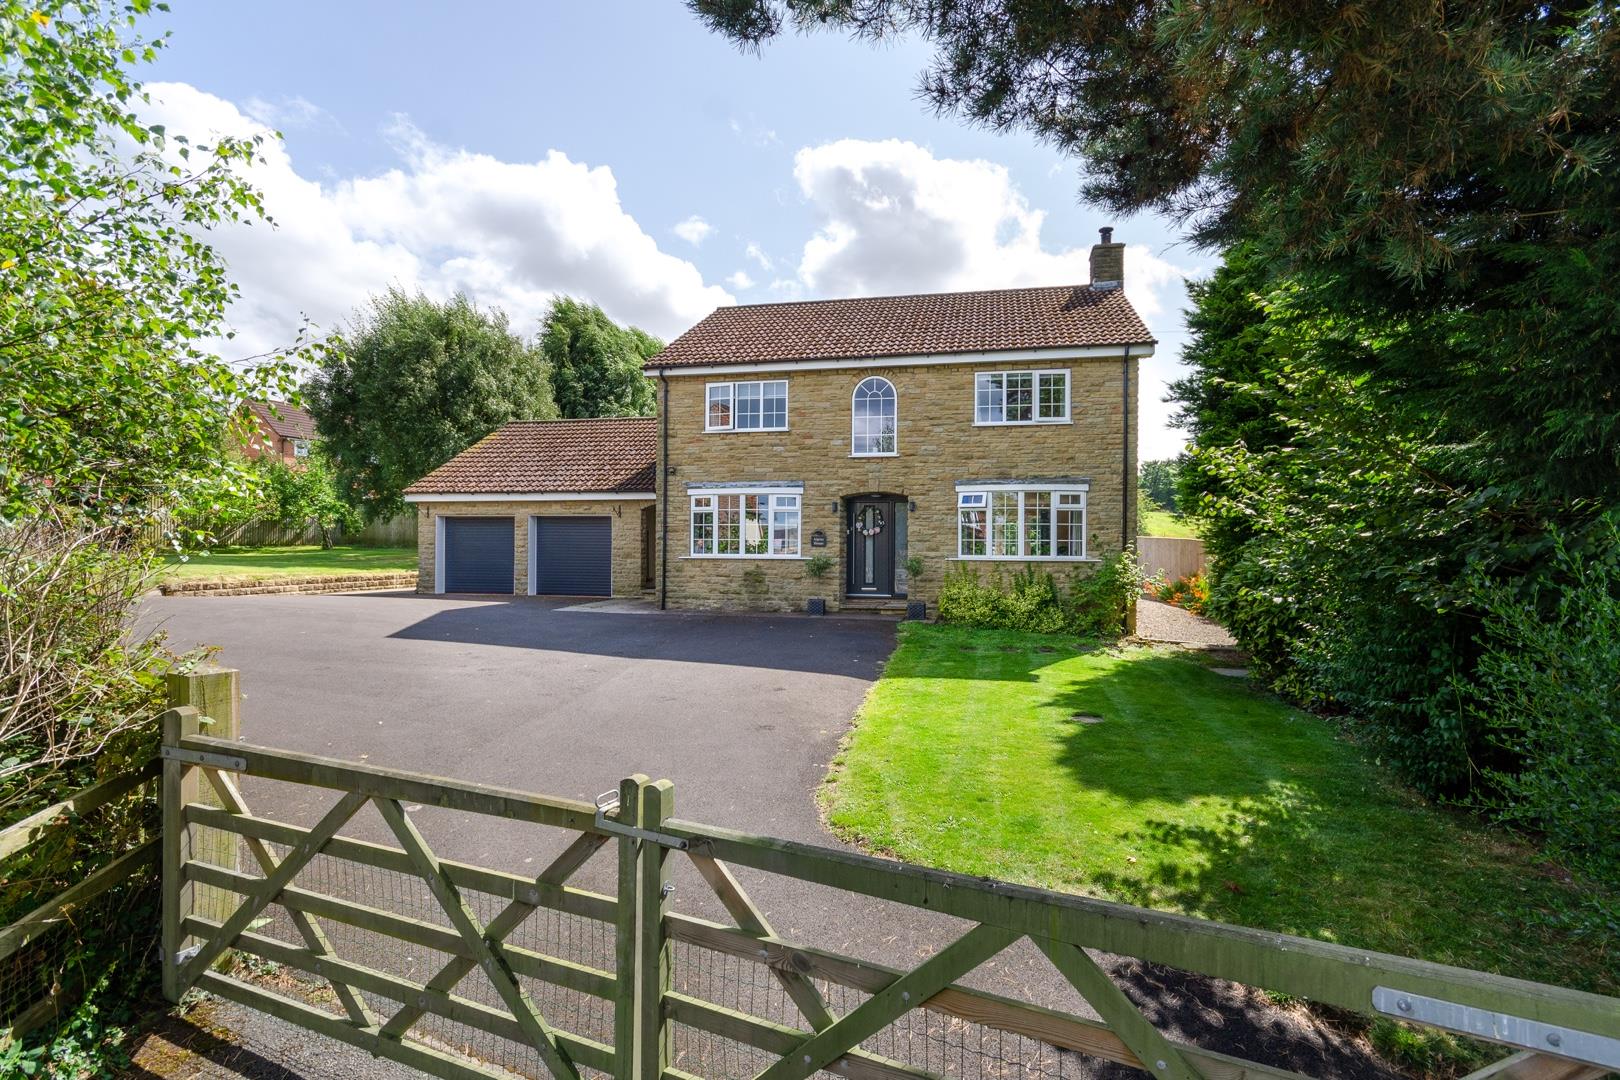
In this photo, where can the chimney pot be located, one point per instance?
(1107, 261)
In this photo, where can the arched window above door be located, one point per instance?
(874, 419)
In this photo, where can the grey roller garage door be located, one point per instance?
(573, 556)
(478, 555)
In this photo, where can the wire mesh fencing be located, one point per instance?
(922, 1039)
(561, 935)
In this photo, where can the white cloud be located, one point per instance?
(693, 230)
(510, 234)
(740, 280)
(893, 218)
(288, 112)
(757, 253)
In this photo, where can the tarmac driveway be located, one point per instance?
(742, 712)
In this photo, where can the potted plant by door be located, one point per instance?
(915, 609)
(817, 566)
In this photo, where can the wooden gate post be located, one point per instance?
(178, 900)
(206, 702)
(653, 953)
(624, 939)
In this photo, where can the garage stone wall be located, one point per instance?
(938, 445)
(623, 514)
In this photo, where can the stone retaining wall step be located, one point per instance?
(298, 585)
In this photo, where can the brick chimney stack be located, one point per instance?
(1107, 262)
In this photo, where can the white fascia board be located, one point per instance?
(1006, 356)
(534, 496)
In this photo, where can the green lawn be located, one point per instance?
(1194, 792)
(255, 564)
(1164, 523)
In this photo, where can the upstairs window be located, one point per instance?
(874, 419)
(747, 406)
(1021, 397)
(300, 448)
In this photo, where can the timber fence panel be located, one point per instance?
(41, 949)
(1170, 557)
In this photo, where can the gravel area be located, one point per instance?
(1158, 621)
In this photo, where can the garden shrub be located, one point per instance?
(1190, 593)
(1099, 602)
(1547, 689)
(82, 698)
(1094, 605)
(967, 599)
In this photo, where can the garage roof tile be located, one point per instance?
(533, 457)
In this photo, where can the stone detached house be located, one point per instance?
(276, 429)
(900, 437)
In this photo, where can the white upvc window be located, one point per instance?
(874, 419)
(300, 448)
(746, 406)
(1021, 523)
(746, 524)
(1021, 397)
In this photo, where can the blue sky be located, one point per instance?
(617, 151)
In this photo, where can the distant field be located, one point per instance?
(258, 564)
(1164, 523)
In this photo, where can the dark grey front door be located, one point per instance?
(871, 547)
(478, 554)
(573, 556)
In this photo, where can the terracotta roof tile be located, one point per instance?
(530, 457)
(287, 421)
(921, 325)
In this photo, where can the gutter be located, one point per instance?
(1125, 452)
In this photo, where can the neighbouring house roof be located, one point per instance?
(287, 421)
(536, 457)
(920, 325)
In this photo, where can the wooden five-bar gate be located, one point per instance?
(467, 971)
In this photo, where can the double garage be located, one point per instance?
(568, 555)
(542, 508)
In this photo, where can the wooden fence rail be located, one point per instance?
(1554, 1032)
(1170, 557)
(57, 914)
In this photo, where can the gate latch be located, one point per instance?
(1543, 1038)
(608, 801)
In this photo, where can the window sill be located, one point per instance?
(1024, 423)
(891, 453)
(745, 431)
(742, 558)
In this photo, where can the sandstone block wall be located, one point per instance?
(938, 445)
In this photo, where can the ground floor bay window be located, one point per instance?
(759, 524)
(1005, 522)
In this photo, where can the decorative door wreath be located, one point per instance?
(870, 523)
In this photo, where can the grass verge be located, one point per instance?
(267, 563)
(1142, 776)
(1164, 523)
